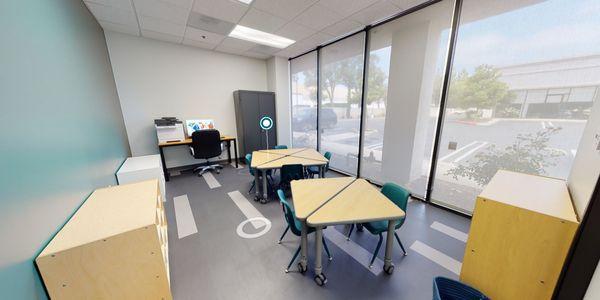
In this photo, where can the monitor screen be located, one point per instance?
(193, 125)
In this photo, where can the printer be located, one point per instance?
(169, 129)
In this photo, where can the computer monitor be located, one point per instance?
(193, 125)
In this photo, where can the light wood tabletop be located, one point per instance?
(359, 202)
(291, 151)
(310, 194)
(261, 158)
(288, 160)
(310, 154)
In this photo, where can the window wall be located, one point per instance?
(341, 67)
(406, 60)
(524, 77)
(304, 100)
(522, 82)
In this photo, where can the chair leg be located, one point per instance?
(326, 249)
(293, 259)
(350, 232)
(281, 238)
(400, 243)
(376, 250)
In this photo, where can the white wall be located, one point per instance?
(593, 291)
(156, 79)
(586, 166)
(278, 75)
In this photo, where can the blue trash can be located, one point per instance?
(449, 289)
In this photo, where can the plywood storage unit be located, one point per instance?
(521, 231)
(114, 247)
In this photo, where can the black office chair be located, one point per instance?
(206, 144)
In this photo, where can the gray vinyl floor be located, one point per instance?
(216, 263)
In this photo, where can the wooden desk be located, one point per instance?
(264, 160)
(329, 201)
(188, 141)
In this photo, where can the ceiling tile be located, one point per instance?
(318, 17)
(181, 3)
(406, 4)
(198, 44)
(161, 26)
(202, 36)
(236, 44)
(161, 36)
(286, 9)
(261, 20)
(343, 27)
(162, 10)
(375, 12)
(133, 30)
(256, 55)
(228, 10)
(204, 22)
(295, 31)
(265, 50)
(317, 39)
(120, 4)
(112, 14)
(345, 7)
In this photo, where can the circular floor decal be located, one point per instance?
(266, 228)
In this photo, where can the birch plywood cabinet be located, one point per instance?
(114, 247)
(521, 231)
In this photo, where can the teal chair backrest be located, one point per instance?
(398, 195)
(281, 147)
(290, 216)
(249, 162)
(328, 156)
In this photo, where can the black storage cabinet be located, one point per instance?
(250, 107)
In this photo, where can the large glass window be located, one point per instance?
(524, 77)
(341, 73)
(304, 100)
(406, 60)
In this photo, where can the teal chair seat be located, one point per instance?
(314, 170)
(295, 226)
(378, 227)
(279, 147)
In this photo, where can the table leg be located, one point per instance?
(265, 189)
(322, 169)
(235, 152)
(229, 151)
(303, 251)
(256, 185)
(164, 164)
(320, 278)
(388, 266)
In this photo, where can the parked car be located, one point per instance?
(305, 119)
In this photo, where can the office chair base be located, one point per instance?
(204, 169)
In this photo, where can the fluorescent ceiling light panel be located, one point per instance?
(245, 1)
(260, 37)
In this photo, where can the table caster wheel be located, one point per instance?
(389, 269)
(263, 201)
(301, 268)
(256, 198)
(359, 227)
(320, 279)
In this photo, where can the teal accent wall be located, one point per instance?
(62, 133)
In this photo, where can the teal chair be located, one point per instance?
(399, 196)
(314, 170)
(296, 226)
(249, 163)
(279, 147)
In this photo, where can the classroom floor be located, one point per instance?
(216, 263)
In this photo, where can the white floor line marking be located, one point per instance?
(211, 180)
(186, 225)
(445, 229)
(247, 208)
(543, 125)
(457, 151)
(175, 173)
(360, 254)
(437, 257)
(550, 124)
(574, 152)
(470, 152)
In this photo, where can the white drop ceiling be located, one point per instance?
(206, 23)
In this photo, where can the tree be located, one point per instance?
(528, 154)
(481, 90)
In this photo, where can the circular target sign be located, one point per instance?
(266, 123)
